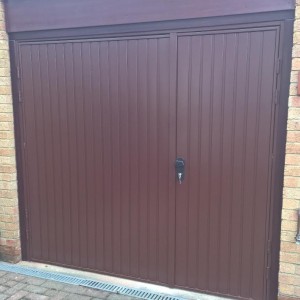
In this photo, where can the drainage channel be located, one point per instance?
(59, 277)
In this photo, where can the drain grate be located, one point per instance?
(138, 293)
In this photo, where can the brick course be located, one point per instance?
(289, 276)
(9, 215)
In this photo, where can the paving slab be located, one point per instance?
(19, 287)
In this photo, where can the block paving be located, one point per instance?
(14, 287)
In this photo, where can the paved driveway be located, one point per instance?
(14, 286)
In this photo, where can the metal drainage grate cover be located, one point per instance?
(138, 293)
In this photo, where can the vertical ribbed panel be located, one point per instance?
(224, 131)
(100, 125)
(100, 146)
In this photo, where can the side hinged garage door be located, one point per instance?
(102, 123)
(225, 116)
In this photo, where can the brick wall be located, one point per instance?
(289, 277)
(9, 215)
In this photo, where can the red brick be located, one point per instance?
(294, 101)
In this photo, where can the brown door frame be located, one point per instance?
(284, 21)
(280, 128)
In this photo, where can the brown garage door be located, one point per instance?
(224, 130)
(102, 124)
(100, 136)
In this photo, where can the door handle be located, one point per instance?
(179, 168)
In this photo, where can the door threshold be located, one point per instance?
(119, 285)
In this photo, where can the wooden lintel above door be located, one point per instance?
(31, 15)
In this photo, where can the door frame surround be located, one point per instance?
(284, 23)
